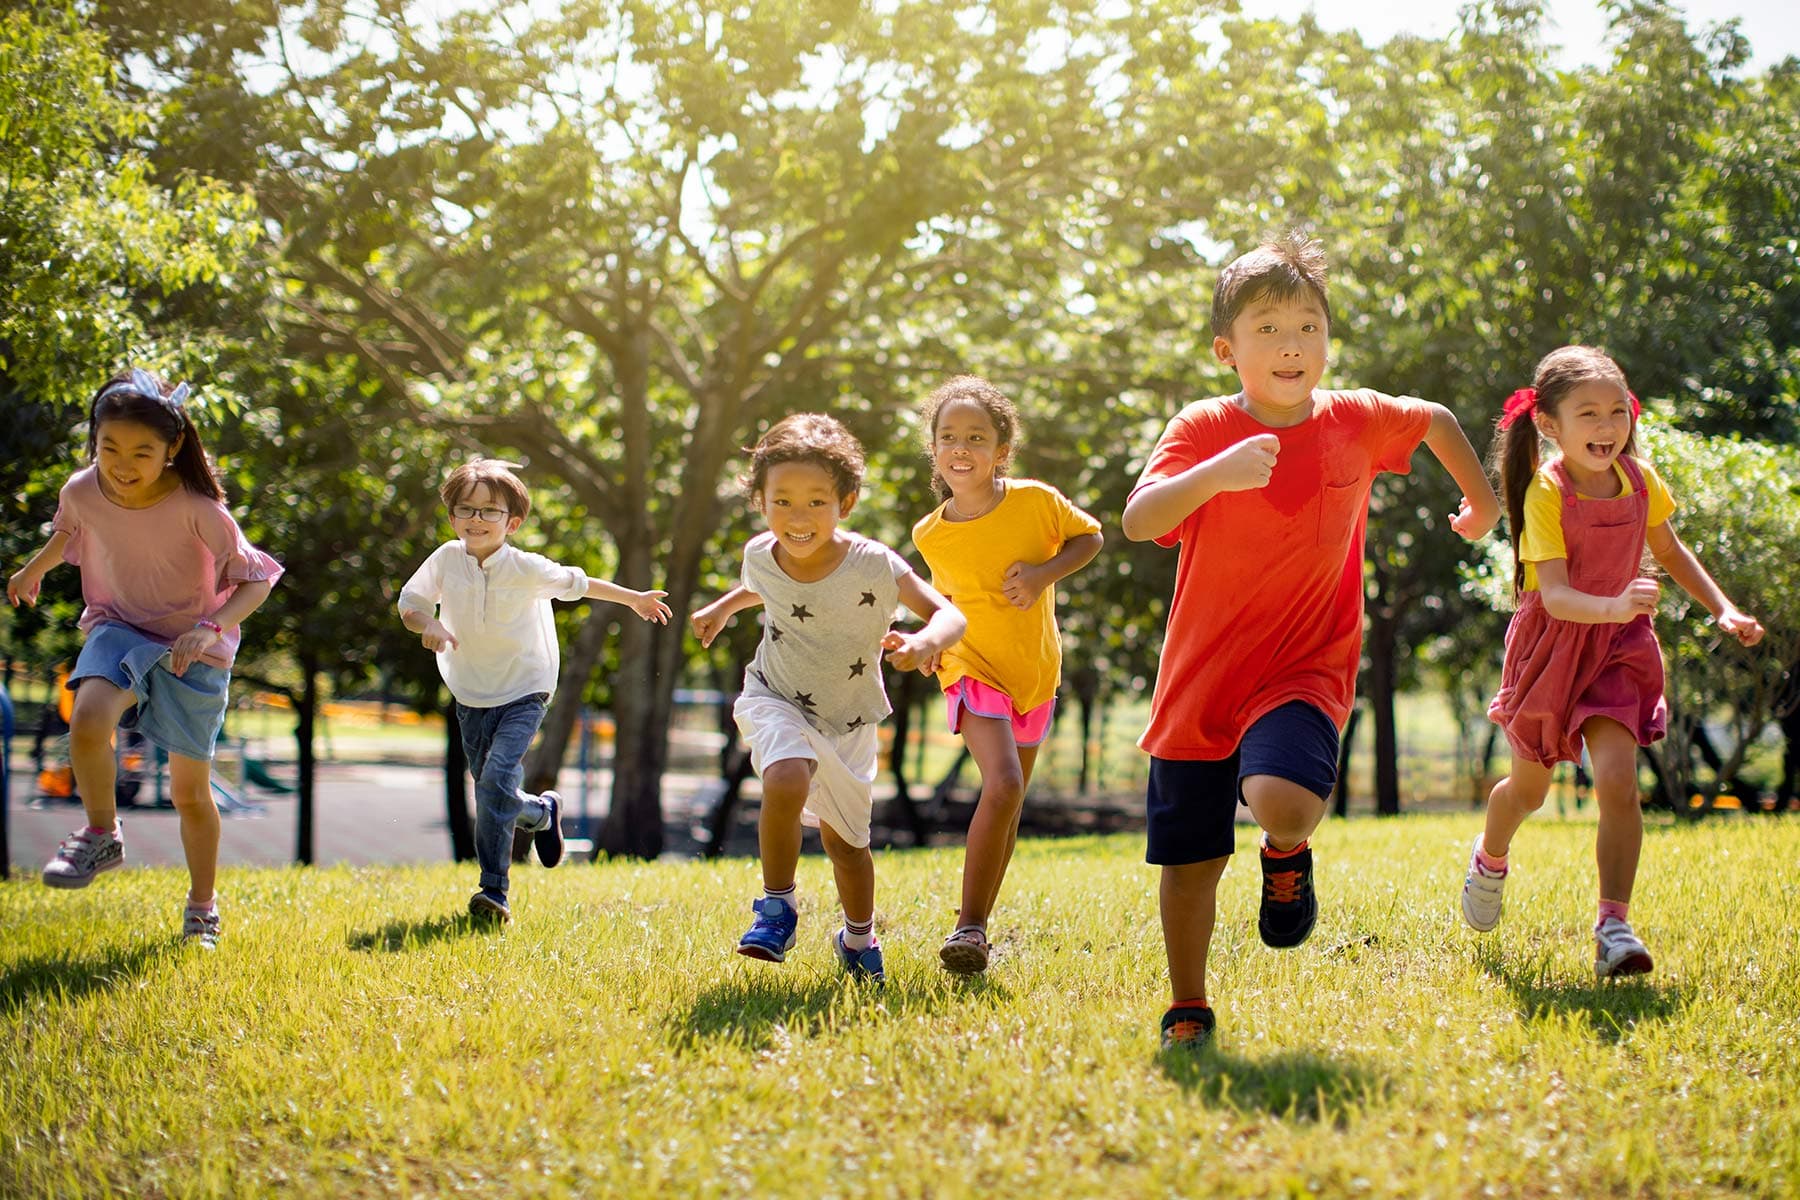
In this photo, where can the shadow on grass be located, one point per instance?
(410, 935)
(1611, 1009)
(1295, 1085)
(60, 976)
(750, 1006)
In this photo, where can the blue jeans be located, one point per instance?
(495, 741)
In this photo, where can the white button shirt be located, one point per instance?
(499, 613)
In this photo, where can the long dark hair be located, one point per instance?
(161, 407)
(975, 390)
(1516, 446)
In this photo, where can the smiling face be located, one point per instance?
(482, 534)
(133, 461)
(1279, 349)
(966, 449)
(800, 502)
(1591, 425)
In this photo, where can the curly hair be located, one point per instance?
(500, 481)
(975, 390)
(1515, 453)
(807, 438)
(1290, 266)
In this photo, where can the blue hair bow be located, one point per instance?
(144, 384)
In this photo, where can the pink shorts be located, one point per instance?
(985, 700)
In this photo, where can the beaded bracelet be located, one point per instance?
(212, 625)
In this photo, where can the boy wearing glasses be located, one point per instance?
(483, 606)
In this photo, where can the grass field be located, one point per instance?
(355, 1035)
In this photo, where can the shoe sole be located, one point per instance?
(762, 953)
(488, 910)
(1631, 964)
(960, 958)
(552, 835)
(79, 881)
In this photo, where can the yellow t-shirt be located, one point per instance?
(1543, 536)
(1015, 650)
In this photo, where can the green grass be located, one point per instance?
(354, 1035)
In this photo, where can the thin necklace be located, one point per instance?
(999, 494)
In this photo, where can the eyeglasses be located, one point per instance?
(468, 512)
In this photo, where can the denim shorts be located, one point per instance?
(181, 713)
(1191, 804)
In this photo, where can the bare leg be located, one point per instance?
(190, 779)
(98, 707)
(1621, 837)
(1189, 901)
(1287, 812)
(785, 784)
(995, 827)
(1513, 799)
(854, 868)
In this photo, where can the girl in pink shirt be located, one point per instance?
(167, 576)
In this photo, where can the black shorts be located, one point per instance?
(1192, 803)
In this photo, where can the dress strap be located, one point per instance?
(1564, 484)
(1635, 473)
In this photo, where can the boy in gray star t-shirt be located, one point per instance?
(813, 697)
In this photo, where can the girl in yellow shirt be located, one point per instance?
(996, 547)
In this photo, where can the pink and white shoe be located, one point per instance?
(83, 855)
(1617, 951)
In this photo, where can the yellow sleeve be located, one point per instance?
(1543, 535)
(1662, 501)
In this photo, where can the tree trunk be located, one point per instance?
(1383, 629)
(456, 790)
(1340, 795)
(907, 688)
(305, 711)
(545, 760)
(1084, 681)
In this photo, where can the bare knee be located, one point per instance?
(1287, 812)
(786, 783)
(1004, 789)
(1194, 881)
(840, 852)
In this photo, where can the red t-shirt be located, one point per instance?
(1268, 591)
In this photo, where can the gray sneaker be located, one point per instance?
(200, 928)
(83, 855)
(1481, 893)
(1617, 951)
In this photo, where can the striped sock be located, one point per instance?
(859, 935)
(789, 895)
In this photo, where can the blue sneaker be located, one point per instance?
(860, 964)
(490, 906)
(549, 839)
(771, 935)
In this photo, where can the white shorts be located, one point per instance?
(843, 782)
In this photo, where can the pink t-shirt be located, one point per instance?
(158, 569)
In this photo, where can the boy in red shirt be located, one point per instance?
(1267, 493)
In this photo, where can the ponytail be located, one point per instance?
(136, 395)
(1516, 461)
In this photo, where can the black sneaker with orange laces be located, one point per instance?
(1289, 907)
(1187, 1028)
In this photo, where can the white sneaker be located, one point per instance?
(1481, 900)
(1617, 951)
(200, 928)
(84, 855)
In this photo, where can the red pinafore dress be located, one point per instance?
(1557, 674)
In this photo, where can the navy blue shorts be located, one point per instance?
(1192, 803)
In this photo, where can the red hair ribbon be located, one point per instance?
(1521, 403)
(1636, 408)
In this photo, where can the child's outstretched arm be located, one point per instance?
(1686, 570)
(1024, 582)
(1479, 511)
(431, 631)
(246, 598)
(648, 605)
(944, 625)
(707, 621)
(23, 586)
(1158, 507)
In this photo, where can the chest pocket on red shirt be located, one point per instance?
(1339, 505)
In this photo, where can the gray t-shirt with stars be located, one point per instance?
(821, 643)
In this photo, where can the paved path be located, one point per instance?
(365, 813)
